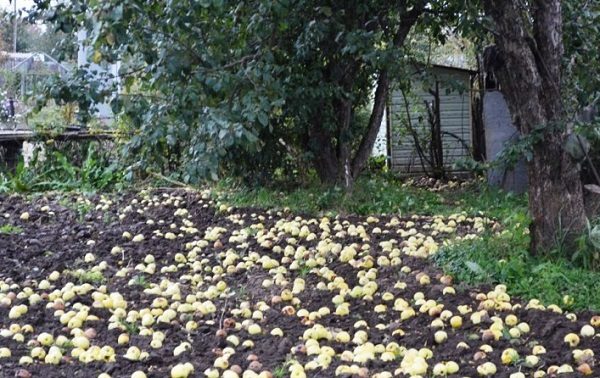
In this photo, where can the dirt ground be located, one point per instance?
(222, 272)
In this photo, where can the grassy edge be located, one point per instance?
(373, 195)
(494, 259)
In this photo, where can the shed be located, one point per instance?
(412, 115)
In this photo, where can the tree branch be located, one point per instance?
(415, 135)
(368, 140)
(407, 21)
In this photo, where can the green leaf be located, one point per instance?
(263, 118)
(326, 11)
(474, 267)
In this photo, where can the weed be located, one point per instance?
(132, 328)
(107, 218)
(9, 229)
(67, 345)
(83, 208)
(249, 231)
(280, 371)
(241, 292)
(139, 280)
(59, 170)
(587, 254)
(303, 270)
(85, 276)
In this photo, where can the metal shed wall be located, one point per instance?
(455, 111)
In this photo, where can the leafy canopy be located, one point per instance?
(209, 82)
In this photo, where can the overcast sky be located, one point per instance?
(8, 5)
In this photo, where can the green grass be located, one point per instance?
(303, 271)
(132, 328)
(9, 229)
(139, 280)
(67, 346)
(505, 258)
(85, 276)
(280, 371)
(371, 195)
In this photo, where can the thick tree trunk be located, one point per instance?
(327, 170)
(324, 156)
(530, 80)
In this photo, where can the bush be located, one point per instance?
(82, 166)
(52, 118)
(377, 164)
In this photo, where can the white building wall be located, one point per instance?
(103, 110)
(380, 147)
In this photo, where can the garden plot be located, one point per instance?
(163, 284)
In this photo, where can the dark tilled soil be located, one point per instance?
(58, 238)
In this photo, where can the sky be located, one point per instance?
(8, 5)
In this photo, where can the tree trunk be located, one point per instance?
(326, 167)
(530, 79)
(324, 157)
(359, 161)
(368, 140)
(332, 154)
(436, 147)
(345, 117)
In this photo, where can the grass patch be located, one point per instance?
(131, 328)
(9, 229)
(557, 277)
(372, 195)
(281, 371)
(88, 276)
(505, 259)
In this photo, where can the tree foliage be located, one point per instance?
(581, 61)
(255, 86)
(261, 87)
